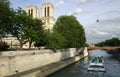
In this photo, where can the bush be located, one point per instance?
(3, 46)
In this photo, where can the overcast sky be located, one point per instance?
(87, 12)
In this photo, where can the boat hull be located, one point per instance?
(97, 65)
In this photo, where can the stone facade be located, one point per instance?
(14, 43)
(32, 11)
(47, 14)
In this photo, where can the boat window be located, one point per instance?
(96, 66)
(97, 60)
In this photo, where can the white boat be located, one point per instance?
(97, 64)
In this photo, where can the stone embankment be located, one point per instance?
(37, 63)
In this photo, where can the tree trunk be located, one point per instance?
(21, 45)
(30, 44)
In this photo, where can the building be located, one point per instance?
(47, 14)
(32, 11)
(12, 42)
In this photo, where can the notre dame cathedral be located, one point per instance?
(47, 14)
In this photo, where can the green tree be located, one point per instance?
(34, 30)
(71, 30)
(55, 40)
(20, 22)
(110, 42)
(43, 40)
(6, 15)
(25, 28)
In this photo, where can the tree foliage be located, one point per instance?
(55, 40)
(67, 31)
(43, 39)
(18, 24)
(34, 31)
(25, 28)
(72, 31)
(20, 21)
(6, 15)
(110, 42)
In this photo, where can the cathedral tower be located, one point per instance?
(48, 15)
(32, 11)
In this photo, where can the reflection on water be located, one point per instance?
(99, 53)
(86, 60)
(79, 69)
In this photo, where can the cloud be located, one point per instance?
(76, 12)
(85, 1)
(103, 30)
(82, 1)
(60, 3)
(110, 14)
(101, 33)
(111, 21)
(94, 31)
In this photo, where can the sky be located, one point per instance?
(87, 13)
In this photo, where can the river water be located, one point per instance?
(79, 69)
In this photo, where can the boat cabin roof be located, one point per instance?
(97, 60)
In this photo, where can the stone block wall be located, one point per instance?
(18, 61)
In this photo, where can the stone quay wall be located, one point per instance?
(13, 62)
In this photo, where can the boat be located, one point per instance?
(97, 64)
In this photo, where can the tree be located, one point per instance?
(6, 15)
(55, 40)
(110, 42)
(43, 40)
(25, 28)
(20, 22)
(34, 31)
(71, 30)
